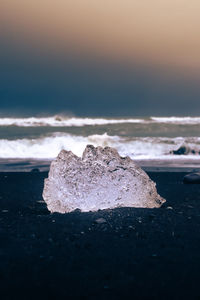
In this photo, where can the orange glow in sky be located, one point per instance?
(163, 32)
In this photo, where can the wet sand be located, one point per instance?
(135, 254)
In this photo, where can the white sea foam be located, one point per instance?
(49, 147)
(137, 148)
(57, 121)
(60, 121)
(177, 120)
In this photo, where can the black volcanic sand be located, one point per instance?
(136, 254)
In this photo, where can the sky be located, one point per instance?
(92, 57)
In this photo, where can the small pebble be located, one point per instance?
(154, 255)
(100, 221)
(169, 207)
(131, 227)
(192, 178)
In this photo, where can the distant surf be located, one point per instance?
(58, 121)
(176, 120)
(64, 121)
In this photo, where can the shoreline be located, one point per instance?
(149, 165)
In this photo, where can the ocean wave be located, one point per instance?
(48, 147)
(61, 121)
(177, 120)
(57, 121)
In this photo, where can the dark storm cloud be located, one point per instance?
(41, 83)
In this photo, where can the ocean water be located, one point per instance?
(152, 142)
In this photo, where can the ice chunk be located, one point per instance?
(101, 179)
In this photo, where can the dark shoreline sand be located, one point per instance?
(136, 254)
(178, 164)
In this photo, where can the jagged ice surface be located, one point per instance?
(101, 179)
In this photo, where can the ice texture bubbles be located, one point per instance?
(101, 179)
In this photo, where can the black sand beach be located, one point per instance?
(135, 254)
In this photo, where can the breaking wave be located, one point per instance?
(60, 121)
(177, 120)
(57, 121)
(48, 147)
